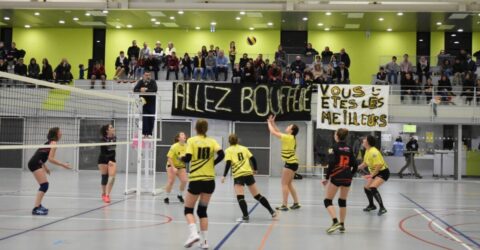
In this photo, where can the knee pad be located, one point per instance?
(342, 203)
(188, 210)
(258, 197)
(104, 179)
(373, 190)
(111, 180)
(239, 197)
(43, 187)
(328, 202)
(202, 211)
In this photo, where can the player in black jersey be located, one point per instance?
(342, 166)
(106, 161)
(40, 170)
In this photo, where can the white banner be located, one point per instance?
(355, 107)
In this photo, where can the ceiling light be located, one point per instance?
(87, 14)
(61, 22)
(157, 22)
(456, 42)
(153, 20)
(478, 14)
(118, 27)
(320, 24)
(105, 11)
(327, 29)
(213, 23)
(453, 35)
(439, 23)
(129, 26)
(172, 18)
(381, 19)
(328, 13)
(242, 12)
(389, 29)
(6, 18)
(75, 19)
(180, 12)
(251, 28)
(305, 18)
(420, 40)
(270, 24)
(238, 18)
(400, 14)
(37, 13)
(197, 28)
(27, 26)
(460, 30)
(98, 41)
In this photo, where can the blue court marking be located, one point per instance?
(220, 244)
(59, 220)
(444, 222)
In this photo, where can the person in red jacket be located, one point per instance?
(173, 65)
(275, 74)
(98, 72)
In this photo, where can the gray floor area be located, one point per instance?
(422, 214)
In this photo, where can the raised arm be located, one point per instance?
(273, 127)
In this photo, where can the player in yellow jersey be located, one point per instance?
(239, 158)
(200, 153)
(289, 156)
(379, 174)
(176, 167)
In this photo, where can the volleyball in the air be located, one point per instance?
(251, 40)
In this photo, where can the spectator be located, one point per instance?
(244, 60)
(134, 71)
(33, 69)
(281, 57)
(326, 57)
(297, 79)
(204, 51)
(221, 65)
(144, 52)
(275, 74)
(198, 66)
(397, 148)
(446, 68)
(470, 65)
(310, 51)
(147, 85)
(258, 61)
(405, 66)
(441, 57)
(262, 73)
(458, 71)
(317, 73)
(267, 64)
(159, 54)
(232, 54)
(476, 55)
(330, 73)
(423, 69)
(12, 54)
(3, 65)
(307, 77)
(287, 76)
(236, 74)
(408, 86)
(412, 148)
(20, 68)
(170, 49)
(468, 88)
(133, 51)
(381, 77)
(210, 63)
(477, 87)
(298, 64)
(318, 60)
(392, 70)
(3, 51)
(121, 66)
(47, 71)
(98, 72)
(428, 90)
(186, 65)
(462, 56)
(151, 64)
(445, 89)
(81, 71)
(343, 76)
(172, 65)
(216, 52)
(345, 58)
(62, 72)
(249, 73)
(212, 49)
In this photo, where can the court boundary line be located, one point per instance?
(230, 233)
(443, 221)
(60, 220)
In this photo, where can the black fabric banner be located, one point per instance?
(241, 102)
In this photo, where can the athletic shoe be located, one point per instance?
(37, 211)
(369, 208)
(191, 240)
(382, 211)
(104, 198)
(282, 208)
(274, 215)
(166, 201)
(180, 198)
(204, 245)
(342, 229)
(333, 228)
(400, 175)
(295, 206)
(107, 199)
(42, 208)
(243, 219)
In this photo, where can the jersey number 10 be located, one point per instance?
(203, 153)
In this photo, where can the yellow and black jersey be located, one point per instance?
(374, 157)
(239, 156)
(202, 149)
(289, 148)
(177, 151)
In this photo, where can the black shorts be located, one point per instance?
(292, 166)
(198, 187)
(34, 166)
(341, 182)
(104, 159)
(384, 174)
(244, 180)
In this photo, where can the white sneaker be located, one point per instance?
(192, 239)
(204, 245)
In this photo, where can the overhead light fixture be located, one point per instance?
(456, 42)
(172, 18)
(213, 23)
(400, 14)
(380, 19)
(305, 18)
(153, 19)
(420, 40)
(242, 12)
(238, 18)
(129, 26)
(320, 24)
(61, 22)
(37, 13)
(75, 19)
(328, 13)
(251, 28)
(460, 30)
(478, 14)
(389, 29)
(197, 28)
(88, 14)
(439, 23)
(327, 29)
(98, 41)
(105, 11)
(157, 22)
(6, 18)
(180, 12)
(27, 26)
(270, 24)
(453, 35)
(118, 27)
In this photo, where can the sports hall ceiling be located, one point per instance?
(247, 14)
